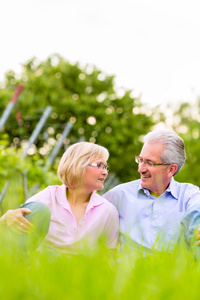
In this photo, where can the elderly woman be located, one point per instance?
(79, 216)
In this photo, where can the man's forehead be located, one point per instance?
(151, 150)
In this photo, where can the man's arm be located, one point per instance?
(191, 228)
(198, 236)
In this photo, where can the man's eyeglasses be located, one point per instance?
(140, 160)
(100, 166)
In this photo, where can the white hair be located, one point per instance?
(174, 151)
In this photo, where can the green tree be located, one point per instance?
(186, 123)
(84, 96)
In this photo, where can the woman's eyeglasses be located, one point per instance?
(100, 166)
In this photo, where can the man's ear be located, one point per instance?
(172, 169)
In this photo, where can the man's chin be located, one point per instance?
(144, 185)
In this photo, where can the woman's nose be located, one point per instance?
(104, 171)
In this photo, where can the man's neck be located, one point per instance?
(158, 193)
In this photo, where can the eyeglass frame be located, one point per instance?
(149, 162)
(100, 166)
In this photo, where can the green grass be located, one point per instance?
(98, 275)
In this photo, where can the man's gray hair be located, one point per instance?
(174, 152)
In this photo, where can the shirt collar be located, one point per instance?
(171, 189)
(61, 196)
(95, 199)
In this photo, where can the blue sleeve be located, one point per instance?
(190, 224)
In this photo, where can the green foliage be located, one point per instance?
(17, 174)
(99, 112)
(86, 97)
(186, 123)
(97, 275)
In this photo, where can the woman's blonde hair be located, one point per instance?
(74, 160)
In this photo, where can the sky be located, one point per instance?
(152, 47)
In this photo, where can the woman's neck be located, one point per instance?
(77, 196)
(78, 200)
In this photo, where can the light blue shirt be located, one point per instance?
(156, 222)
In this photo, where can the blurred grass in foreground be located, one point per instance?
(98, 275)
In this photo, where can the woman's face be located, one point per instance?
(95, 175)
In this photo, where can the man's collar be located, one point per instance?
(171, 188)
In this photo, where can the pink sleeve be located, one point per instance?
(43, 196)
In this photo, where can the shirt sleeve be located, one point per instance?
(191, 222)
(43, 196)
(191, 217)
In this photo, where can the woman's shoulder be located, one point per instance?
(46, 193)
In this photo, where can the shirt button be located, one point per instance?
(154, 232)
(155, 216)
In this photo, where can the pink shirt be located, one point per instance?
(100, 220)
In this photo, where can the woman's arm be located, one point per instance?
(15, 221)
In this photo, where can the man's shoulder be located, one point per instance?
(186, 185)
(103, 202)
(131, 185)
(186, 188)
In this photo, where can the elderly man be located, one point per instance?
(156, 210)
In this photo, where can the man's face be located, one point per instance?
(156, 178)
